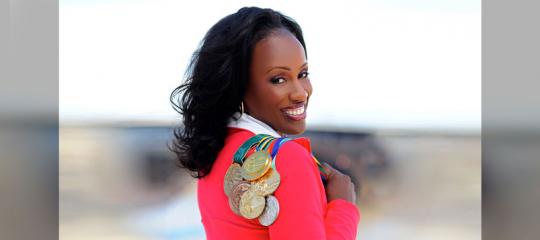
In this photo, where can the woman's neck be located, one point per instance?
(248, 122)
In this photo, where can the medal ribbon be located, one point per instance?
(281, 141)
(321, 169)
(275, 149)
(244, 148)
(263, 141)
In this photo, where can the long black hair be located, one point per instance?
(216, 81)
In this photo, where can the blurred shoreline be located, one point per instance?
(410, 183)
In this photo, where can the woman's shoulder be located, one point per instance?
(233, 132)
(295, 156)
(296, 146)
(237, 136)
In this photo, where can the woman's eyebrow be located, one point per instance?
(286, 68)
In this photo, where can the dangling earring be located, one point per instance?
(241, 108)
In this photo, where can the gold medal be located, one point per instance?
(256, 165)
(236, 194)
(250, 183)
(232, 177)
(267, 184)
(251, 205)
(271, 211)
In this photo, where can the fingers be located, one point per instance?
(329, 168)
(330, 171)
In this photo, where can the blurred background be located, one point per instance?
(396, 105)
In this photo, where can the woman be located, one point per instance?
(250, 78)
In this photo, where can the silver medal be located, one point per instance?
(270, 212)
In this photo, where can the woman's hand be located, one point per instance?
(339, 185)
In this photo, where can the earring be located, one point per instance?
(242, 108)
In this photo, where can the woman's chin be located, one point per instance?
(296, 129)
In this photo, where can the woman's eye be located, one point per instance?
(277, 80)
(303, 75)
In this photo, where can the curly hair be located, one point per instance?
(216, 81)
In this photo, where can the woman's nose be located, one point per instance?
(298, 94)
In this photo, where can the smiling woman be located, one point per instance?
(279, 89)
(248, 86)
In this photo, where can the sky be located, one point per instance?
(373, 64)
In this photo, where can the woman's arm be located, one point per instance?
(301, 199)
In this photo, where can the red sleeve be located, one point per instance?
(302, 213)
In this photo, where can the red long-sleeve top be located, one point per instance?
(303, 209)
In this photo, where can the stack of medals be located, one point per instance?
(250, 182)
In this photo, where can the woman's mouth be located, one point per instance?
(296, 112)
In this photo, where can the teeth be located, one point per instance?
(296, 111)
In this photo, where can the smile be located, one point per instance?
(296, 112)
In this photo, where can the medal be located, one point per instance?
(236, 194)
(232, 177)
(251, 205)
(244, 148)
(271, 211)
(250, 182)
(267, 184)
(256, 165)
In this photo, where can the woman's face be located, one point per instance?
(279, 88)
